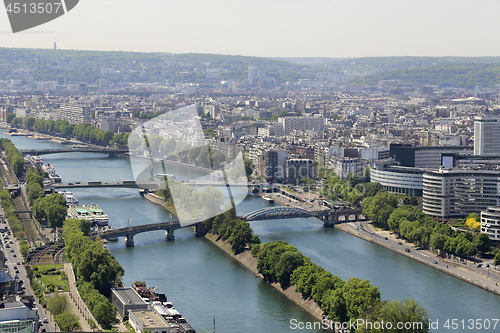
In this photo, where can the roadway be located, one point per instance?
(485, 277)
(12, 257)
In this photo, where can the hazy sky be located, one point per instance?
(282, 28)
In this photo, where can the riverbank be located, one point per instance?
(456, 270)
(250, 262)
(489, 281)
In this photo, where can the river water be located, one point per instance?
(203, 282)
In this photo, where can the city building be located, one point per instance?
(487, 136)
(398, 179)
(296, 169)
(126, 299)
(490, 223)
(289, 124)
(456, 193)
(74, 113)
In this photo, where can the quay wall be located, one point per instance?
(250, 262)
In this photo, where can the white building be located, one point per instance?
(487, 136)
(490, 223)
(398, 179)
(342, 166)
(74, 113)
(450, 193)
(289, 124)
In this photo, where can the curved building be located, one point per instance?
(490, 223)
(398, 179)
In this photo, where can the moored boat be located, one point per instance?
(99, 217)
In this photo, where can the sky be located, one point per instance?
(272, 28)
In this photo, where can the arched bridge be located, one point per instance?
(329, 217)
(130, 231)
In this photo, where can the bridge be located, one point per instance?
(109, 151)
(169, 226)
(126, 183)
(329, 217)
(149, 184)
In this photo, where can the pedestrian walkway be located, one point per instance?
(74, 303)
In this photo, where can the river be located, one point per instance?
(203, 282)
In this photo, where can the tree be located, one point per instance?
(496, 261)
(193, 153)
(33, 176)
(204, 157)
(248, 166)
(57, 304)
(39, 208)
(288, 262)
(30, 122)
(34, 191)
(167, 146)
(407, 311)
(307, 181)
(218, 157)
(10, 117)
(67, 321)
(482, 243)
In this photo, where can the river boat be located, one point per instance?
(107, 228)
(49, 169)
(71, 200)
(55, 178)
(36, 160)
(98, 216)
(268, 199)
(80, 212)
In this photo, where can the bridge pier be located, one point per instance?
(331, 220)
(170, 233)
(129, 240)
(199, 230)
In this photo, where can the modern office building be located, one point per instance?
(490, 223)
(487, 136)
(424, 157)
(398, 179)
(453, 193)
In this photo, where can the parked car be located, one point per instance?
(407, 250)
(399, 243)
(435, 262)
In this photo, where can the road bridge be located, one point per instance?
(169, 227)
(126, 183)
(329, 217)
(109, 151)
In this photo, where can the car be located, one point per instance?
(45, 320)
(399, 243)
(386, 238)
(70, 183)
(17, 271)
(487, 265)
(435, 262)
(77, 183)
(407, 250)
(11, 250)
(43, 330)
(18, 263)
(14, 255)
(479, 265)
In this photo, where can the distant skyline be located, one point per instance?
(272, 28)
